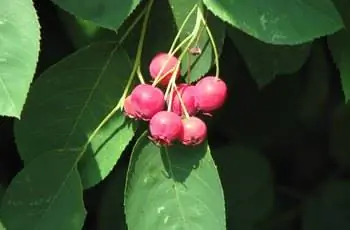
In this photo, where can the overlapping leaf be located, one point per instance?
(266, 61)
(279, 22)
(46, 194)
(19, 51)
(173, 188)
(67, 104)
(106, 13)
(247, 179)
(339, 44)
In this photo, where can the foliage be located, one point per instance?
(277, 155)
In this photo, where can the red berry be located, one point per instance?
(147, 100)
(165, 127)
(210, 93)
(187, 95)
(129, 109)
(156, 66)
(194, 131)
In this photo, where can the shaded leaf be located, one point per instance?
(19, 52)
(110, 214)
(105, 13)
(339, 136)
(82, 32)
(200, 64)
(248, 184)
(279, 22)
(69, 101)
(46, 194)
(173, 188)
(329, 209)
(339, 45)
(266, 61)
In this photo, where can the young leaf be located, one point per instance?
(245, 168)
(106, 13)
(70, 100)
(329, 209)
(266, 61)
(173, 188)
(19, 52)
(339, 45)
(197, 65)
(46, 194)
(279, 22)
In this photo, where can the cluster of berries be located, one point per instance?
(179, 122)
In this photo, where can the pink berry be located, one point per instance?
(147, 100)
(210, 93)
(187, 94)
(129, 109)
(165, 127)
(156, 66)
(194, 131)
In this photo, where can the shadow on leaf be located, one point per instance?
(179, 161)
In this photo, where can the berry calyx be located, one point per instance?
(147, 100)
(165, 127)
(210, 93)
(194, 131)
(129, 109)
(187, 95)
(163, 65)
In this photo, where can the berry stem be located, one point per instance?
(131, 77)
(184, 109)
(212, 41)
(192, 37)
(173, 50)
(141, 42)
(158, 77)
(133, 24)
(139, 75)
(177, 37)
(170, 85)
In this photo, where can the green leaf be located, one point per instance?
(69, 101)
(46, 194)
(173, 188)
(339, 45)
(279, 22)
(197, 65)
(105, 13)
(266, 61)
(245, 168)
(329, 209)
(2, 226)
(19, 52)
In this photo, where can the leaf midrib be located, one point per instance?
(98, 80)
